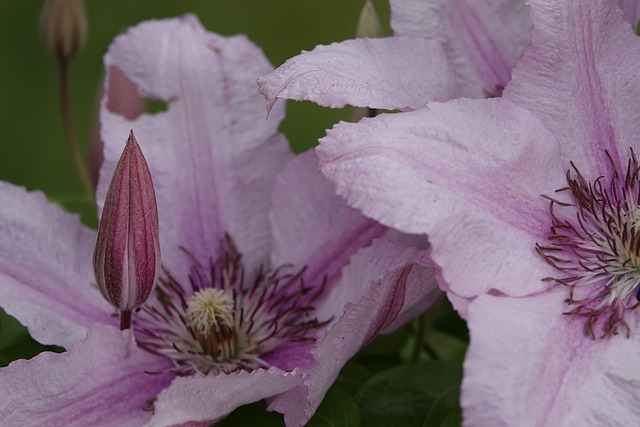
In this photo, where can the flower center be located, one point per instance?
(227, 320)
(209, 309)
(595, 244)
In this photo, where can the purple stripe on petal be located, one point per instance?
(579, 75)
(314, 227)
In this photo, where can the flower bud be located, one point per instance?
(369, 23)
(63, 27)
(126, 260)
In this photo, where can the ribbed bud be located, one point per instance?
(63, 27)
(369, 23)
(126, 259)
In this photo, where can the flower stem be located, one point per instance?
(125, 320)
(419, 338)
(70, 134)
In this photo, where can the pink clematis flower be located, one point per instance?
(441, 50)
(531, 204)
(269, 282)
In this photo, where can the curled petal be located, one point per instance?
(379, 286)
(388, 73)
(207, 399)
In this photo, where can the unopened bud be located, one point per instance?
(63, 27)
(369, 23)
(126, 260)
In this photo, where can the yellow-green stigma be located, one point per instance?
(210, 309)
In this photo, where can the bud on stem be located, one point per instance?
(126, 259)
(63, 26)
(369, 24)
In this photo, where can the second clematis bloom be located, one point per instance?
(531, 203)
(126, 259)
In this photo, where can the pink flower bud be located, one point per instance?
(63, 26)
(369, 24)
(126, 260)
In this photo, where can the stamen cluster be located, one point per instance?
(595, 243)
(227, 320)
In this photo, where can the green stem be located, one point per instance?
(419, 338)
(70, 134)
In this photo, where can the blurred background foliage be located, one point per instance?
(33, 150)
(33, 153)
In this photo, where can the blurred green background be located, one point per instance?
(33, 151)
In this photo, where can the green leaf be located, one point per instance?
(25, 348)
(376, 364)
(16, 343)
(451, 323)
(255, 414)
(411, 395)
(10, 330)
(386, 345)
(338, 409)
(352, 376)
(453, 419)
(444, 409)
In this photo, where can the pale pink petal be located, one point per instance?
(212, 154)
(46, 276)
(580, 77)
(530, 365)
(456, 173)
(100, 381)
(204, 399)
(631, 10)
(389, 73)
(123, 99)
(458, 302)
(312, 226)
(291, 356)
(379, 285)
(483, 39)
